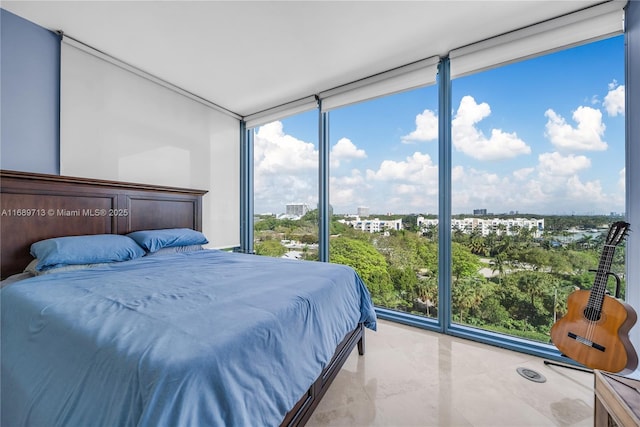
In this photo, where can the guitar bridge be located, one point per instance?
(585, 341)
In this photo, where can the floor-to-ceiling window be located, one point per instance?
(537, 176)
(384, 197)
(286, 187)
(538, 162)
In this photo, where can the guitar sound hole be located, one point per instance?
(592, 314)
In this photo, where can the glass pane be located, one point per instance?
(383, 185)
(286, 187)
(538, 177)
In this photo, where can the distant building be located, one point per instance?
(499, 226)
(296, 210)
(374, 225)
(330, 209)
(479, 211)
(363, 212)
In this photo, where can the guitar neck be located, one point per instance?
(602, 276)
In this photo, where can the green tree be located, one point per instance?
(431, 232)
(582, 261)
(369, 264)
(336, 228)
(477, 244)
(308, 239)
(498, 263)
(533, 257)
(271, 248)
(463, 262)
(405, 282)
(311, 216)
(427, 292)
(408, 250)
(492, 312)
(268, 223)
(410, 223)
(467, 294)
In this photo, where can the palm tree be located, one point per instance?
(525, 234)
(477, 244)
(506, 244)
(468, 292)
(498, 264)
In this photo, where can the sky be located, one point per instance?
(540, 136)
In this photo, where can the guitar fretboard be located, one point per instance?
(596, 298)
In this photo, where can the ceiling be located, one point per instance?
(247, 56)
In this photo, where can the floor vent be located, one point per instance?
(531, 375)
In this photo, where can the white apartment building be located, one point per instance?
(374, 225)
(487, 225)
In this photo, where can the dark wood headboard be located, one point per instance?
(34, 207)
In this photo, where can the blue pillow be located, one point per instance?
(176, 250)
(154, 240)
(72, 250)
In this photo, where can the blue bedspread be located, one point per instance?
(206, 338)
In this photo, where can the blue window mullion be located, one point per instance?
(246, 188)
(444, 191)
(323, 185)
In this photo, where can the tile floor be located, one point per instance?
(412, 377)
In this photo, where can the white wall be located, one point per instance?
(118, 125)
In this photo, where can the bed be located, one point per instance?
(203, 337)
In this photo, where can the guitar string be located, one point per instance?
(595, 305)
(615, 236)
(596, 299)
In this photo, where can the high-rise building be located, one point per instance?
(297, 209)
(363, 212)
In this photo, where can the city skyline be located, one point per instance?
(544, 136)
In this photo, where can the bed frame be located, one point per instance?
(34, 207)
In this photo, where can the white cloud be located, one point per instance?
(404, 186)
(555, 164)
(405, 189)
(560, 182)
(277, 152)
(614, 100)
(344, 149)
(523, 173)
(349, 190)
(418, 168)
(355, 179)
(579, 191)
(477, 189)
(285, 170)
(586, 136)
(471, 141)
(533, 190)
(426, 128)
(457, 173)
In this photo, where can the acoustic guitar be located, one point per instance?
(595, 330)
